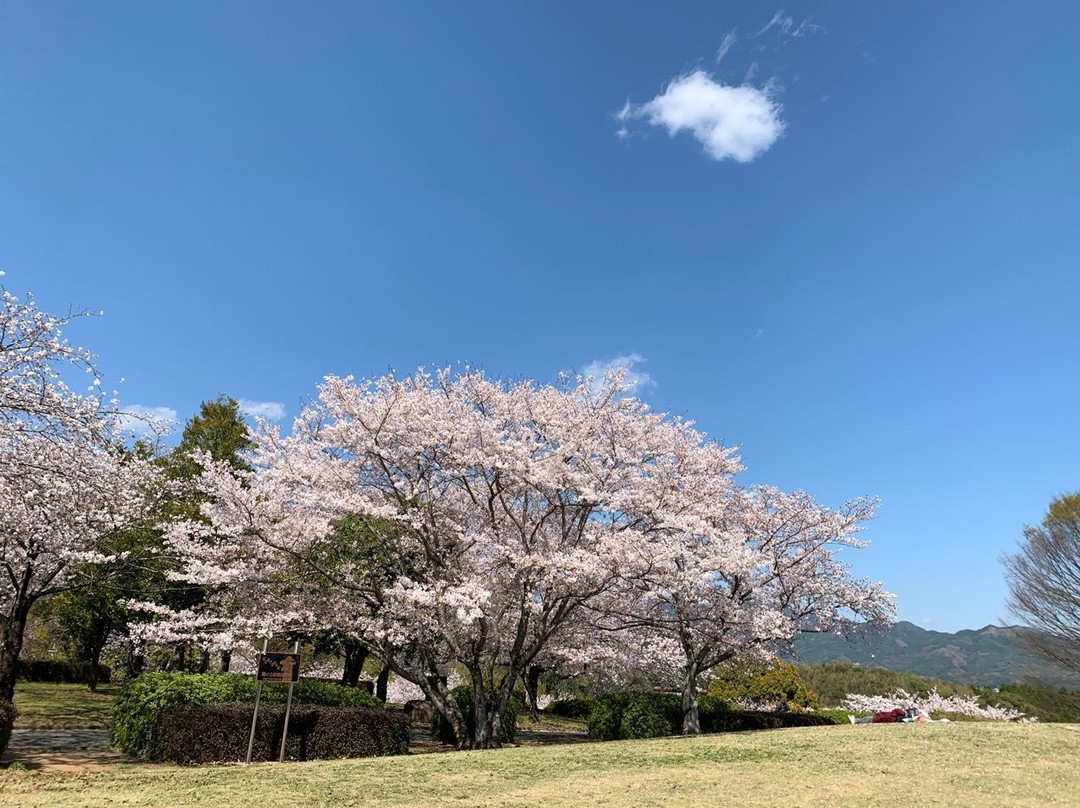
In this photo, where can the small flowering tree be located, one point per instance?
(64, 487)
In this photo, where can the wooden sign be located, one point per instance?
(274, 667)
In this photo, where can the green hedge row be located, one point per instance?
(7, 721)
(626, 716)
(56, 670)
(463, 695)
(140, 702)
(570, 708)
(210, 733)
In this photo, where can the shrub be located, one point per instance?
(204, 733)
(57, 670)
(763, 683)
(141, 701)
(651, 715)
(746, 720)
(570, 708)
(463, 695)
(635, 715)
(7, 721)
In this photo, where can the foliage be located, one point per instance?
(833, 681)
(764, 683)
(570, 708)
(635, 714)
(624, 716)
(204, 733)
(140, 702)
(7, 721)
(59, 670)
(1044, 703)
(463, 697)
(747, 720)
(1044, 584)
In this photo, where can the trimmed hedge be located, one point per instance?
(463, 695)
(140, 702)
(7, 721)
(56, 670)
(626, 716)
(211, 733)
(570, 708)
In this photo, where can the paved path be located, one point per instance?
(71, 749)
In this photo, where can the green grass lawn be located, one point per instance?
(43, 704)
(979, 764)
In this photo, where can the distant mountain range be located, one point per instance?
(987, 656)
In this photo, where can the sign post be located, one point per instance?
(255, 715)
(294, 675)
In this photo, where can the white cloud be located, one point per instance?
(270, 410)
(633, 381)
(140, 420)
(738, 123)
(785, 24)
(725, 45)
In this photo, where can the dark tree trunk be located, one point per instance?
(531, 681)
(14, 627)
(691, 720)
(133, 662)
(204, 662)
(226, 661)
(354, 665)
(95, 661)
(381, 682)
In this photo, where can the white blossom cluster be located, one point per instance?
(930, 704)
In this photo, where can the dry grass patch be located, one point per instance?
(884, 765)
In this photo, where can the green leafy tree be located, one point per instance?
(220, 431)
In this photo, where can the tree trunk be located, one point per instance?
(381, 682)
(226, 661)
(691, 720)
(133, 663)
(95, 660)
(204, 662)
(11, 646)
(532, 685)
(354, 665)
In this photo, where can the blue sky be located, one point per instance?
(841, 235)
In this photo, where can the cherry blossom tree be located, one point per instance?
(500, 526)
(494, 515)
(762, 569)
(64, 485)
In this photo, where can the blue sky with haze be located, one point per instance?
(840, 235)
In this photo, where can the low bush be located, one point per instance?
(57, 670)
(463, 695)
(140, 702)
(570, 708)
(207, 733)
(624, 716)
(746, 720)
(7, 721)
